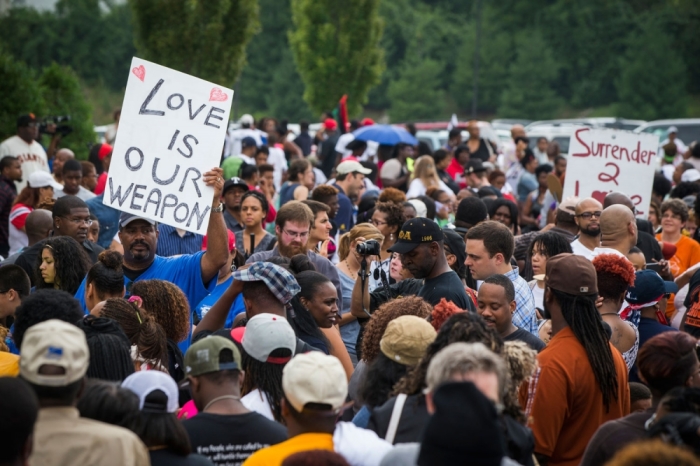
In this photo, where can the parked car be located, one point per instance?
(508, 123)
(437, 139)
(688, 129)
(100, 132)
(559, 133)
(598, 122)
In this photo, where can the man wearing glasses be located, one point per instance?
(71, 217)
(25, 147)
(292, 226)
(588, 220)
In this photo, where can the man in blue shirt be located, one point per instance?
(349, 182)
(194, 274)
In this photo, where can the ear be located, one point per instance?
(241, 379)
(429, 403)
(123, 292)
(278, 230)
(57, 223)
(12, 294)
(284, 408)
(451, 259)
(499, 258)
(89, 290)
(513, 305)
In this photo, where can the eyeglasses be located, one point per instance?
(590, 215)
(78, 221)
(378, 223)
(296, 234)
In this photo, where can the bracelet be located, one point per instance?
(217, 210)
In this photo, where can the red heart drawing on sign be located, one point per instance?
(217, 95)
(599, 196)
(139, 72)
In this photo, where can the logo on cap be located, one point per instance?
(203, 355)
(54, 352)
(405, 235)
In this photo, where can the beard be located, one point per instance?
(292, 249)
(591, 231)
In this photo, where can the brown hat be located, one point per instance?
(571, 274)
(406, 338)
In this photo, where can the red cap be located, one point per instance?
(231, 241)
(330, 124)
(104, 151)
(237, 334)
(367, 122)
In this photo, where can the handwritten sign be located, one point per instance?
(171, 132)
(605, 160)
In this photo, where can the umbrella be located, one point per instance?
(385, 134)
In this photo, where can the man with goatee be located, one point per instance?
(587, 218)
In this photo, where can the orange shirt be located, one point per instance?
(564, 403)
(687, 255)
(275, 454)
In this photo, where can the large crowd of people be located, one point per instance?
(352, 303)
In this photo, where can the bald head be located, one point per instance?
(584, 205)
(62, 156)
(39, 223)
(618, 199)
(618, 228)
(517, 130)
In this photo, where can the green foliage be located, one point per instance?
(62, 95)
(204, 38)
(659, 92)
(285, 100)
(415, 96)
(19, 94)
(336, 49)
(529, 91)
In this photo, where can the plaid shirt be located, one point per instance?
(8, 193)
(524, 315)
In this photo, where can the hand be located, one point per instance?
(665, 271)
(599, 302)
(324, 248)
(215, 179)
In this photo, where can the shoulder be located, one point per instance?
(109, 433)
(260, 256)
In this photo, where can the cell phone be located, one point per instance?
(655, 266)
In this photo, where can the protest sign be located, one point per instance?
(171, 132)
(605, 160)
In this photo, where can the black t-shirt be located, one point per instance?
(168, 458)
(408, 287)
(482, 152)
(448, 286)
(414, 417)
(228, 440)
(649, 246)
(527, 337)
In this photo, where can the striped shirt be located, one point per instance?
(170, 243)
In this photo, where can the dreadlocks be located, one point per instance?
(581, 314)
(267, 378)
(467, 327)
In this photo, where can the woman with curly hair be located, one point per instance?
(392, 195)
(62, 265)
(388, 218)
(615, 274)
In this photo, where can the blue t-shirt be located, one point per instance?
(344, 216)
(348, 332)
(183, 271)
(236, 308)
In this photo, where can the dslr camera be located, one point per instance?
(369, 248)
(63, 130)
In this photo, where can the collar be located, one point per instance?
(513, 274)
(335, 185)
(60, 412)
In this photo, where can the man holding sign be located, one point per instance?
(171, 130)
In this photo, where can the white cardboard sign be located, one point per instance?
(604, 160)
(171, 132)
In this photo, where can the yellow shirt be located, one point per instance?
(274, 455)
(9, 365)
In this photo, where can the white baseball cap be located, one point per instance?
(143, 383)
(672, 129)
(352, 166)
(54, 343)
(691, 175)
(247, 119)
(42, 179)
(265, 333)
(315, 377)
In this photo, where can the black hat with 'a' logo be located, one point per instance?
(415, 232)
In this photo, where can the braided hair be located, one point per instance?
(467, 327)
(582, 315)
(110, 349)
(140, 328)
(267, 378)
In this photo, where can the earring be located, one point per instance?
(391, 237)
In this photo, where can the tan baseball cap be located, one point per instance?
(54, 343)
(406, 338)
(315, 377)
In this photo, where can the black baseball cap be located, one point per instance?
(415, 232)
(235, 181)
(24, 120)
(475, 166)
(248, 142)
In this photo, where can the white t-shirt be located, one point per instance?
(279, 162)
(538, 294)
(232, 144)
(599, 251)
(417, 188)
(31, 156)
(581, 250)
(17, 238)
(257, 401)
(83, 194)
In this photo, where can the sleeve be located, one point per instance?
(391, 169)
(415, 189)
(188, 277)
(18, 216)
(549, 408)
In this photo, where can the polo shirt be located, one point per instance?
(564, 402)
(274, 455)
(205, 304)
(343, 218)
(183, 271)
(231, 222)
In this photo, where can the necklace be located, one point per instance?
(609, 314)
(353, 275)
(219, 398)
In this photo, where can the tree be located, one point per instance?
(286, 89)
(19, 94)
(528, 91)
(652, 81)
(415, 95)
(204, 38)
(61, 91)
(336, 49)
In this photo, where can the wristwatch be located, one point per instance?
(217, 210)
